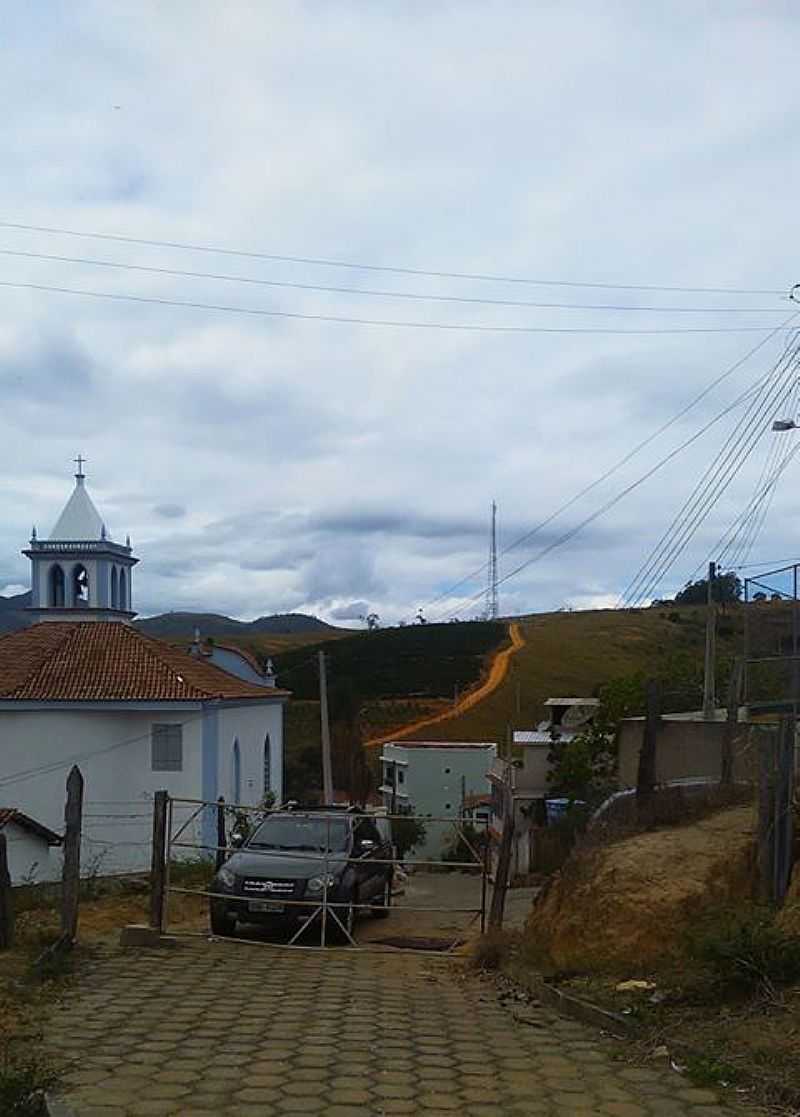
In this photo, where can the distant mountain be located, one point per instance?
(12, 612)
(169, 625)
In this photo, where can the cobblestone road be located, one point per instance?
(256, 1031)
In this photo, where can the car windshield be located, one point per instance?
(301, 832)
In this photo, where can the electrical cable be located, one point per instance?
(413, 295)
(724, 375)
(438, 274)
(340, 319)
(729, 459)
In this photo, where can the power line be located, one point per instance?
(351, 321)
(736, 449)
(360, 266)
(569, 535)
(414, 295)
(724, 375)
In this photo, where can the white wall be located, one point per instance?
(250, 724)
(30, 859)
(119, 782)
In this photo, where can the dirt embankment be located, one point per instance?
(628, 904)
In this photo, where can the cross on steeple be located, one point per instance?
(80, 462)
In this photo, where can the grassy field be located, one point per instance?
(571, 654)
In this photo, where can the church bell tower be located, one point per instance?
(80, 573)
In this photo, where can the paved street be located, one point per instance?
(255, 1031)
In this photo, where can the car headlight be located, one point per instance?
(226, 878)
(317, 884)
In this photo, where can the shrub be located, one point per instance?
(24, 1078)
(746, 951)
(491, 950)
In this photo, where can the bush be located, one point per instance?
(24, 1078)
(491, 950)
(747, 952)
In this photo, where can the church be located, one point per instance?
(83, 686)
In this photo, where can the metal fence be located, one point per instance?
(326, 916)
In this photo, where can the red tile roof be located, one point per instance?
(11, 814)
(104, 661)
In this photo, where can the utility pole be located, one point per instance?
(709, 697)
(492, 607)
(327, 775)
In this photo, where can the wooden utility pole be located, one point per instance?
(709, 697)
(6, 908)
(327, 773)
(158, 861)
(734, 692)
(646, 781)
(71, 875)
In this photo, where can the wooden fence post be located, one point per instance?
(646, 779)
(222, 840)
(71, 876)
(734, 692)
(158, 861)
(503, 870)
(767, 752)
(6, 903)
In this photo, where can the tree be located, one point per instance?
(407, 832)
(373, 621)
(420, 617)
(726, 590)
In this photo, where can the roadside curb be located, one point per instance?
(622, 1028)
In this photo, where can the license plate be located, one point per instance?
(265, 906)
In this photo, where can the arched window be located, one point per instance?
(123, 590)
(114, 588)
(80, 586)
(267, 766)
(236, 774)
(55, 594)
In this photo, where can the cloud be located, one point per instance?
(354, 611)
(265, 463)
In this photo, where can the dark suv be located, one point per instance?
(303, 855)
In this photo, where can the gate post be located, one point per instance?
(158, 862)
(503, 863)
(222, 840)
(71, 874)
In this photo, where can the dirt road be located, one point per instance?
(497, 673)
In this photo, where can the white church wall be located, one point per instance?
(113, 751)
(250, 726)
(30, 859)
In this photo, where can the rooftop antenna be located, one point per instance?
(491, 588)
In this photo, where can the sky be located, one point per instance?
(267, 463)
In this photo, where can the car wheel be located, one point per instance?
(222, 923)
(384, 901)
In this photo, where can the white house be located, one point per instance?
(83, 686)
(435, 779)
(33, 850)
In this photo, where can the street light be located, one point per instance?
(784, 425)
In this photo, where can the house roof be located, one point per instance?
(107, 661)
(80, 520)
(442, 744)
(572, 702)
(11, 814)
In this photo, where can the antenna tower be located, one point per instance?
(491, 589)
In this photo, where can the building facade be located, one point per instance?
(83, 686)
(437, 781)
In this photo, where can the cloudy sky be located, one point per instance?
(264, 463)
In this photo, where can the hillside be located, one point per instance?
(12, 612)
(171, 625)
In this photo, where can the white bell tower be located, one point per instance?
(80, 573)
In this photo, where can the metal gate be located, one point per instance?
(324, 891)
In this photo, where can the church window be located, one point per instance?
(80, 585)
(167, 747)
(56, 587)
(236, 781)
(123, 590)
(114, 588)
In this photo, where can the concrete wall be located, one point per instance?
(30, 859)
(250, 726)
(684, 749)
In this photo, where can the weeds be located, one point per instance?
(492, 950)
(25, 1076)
(746, 952)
